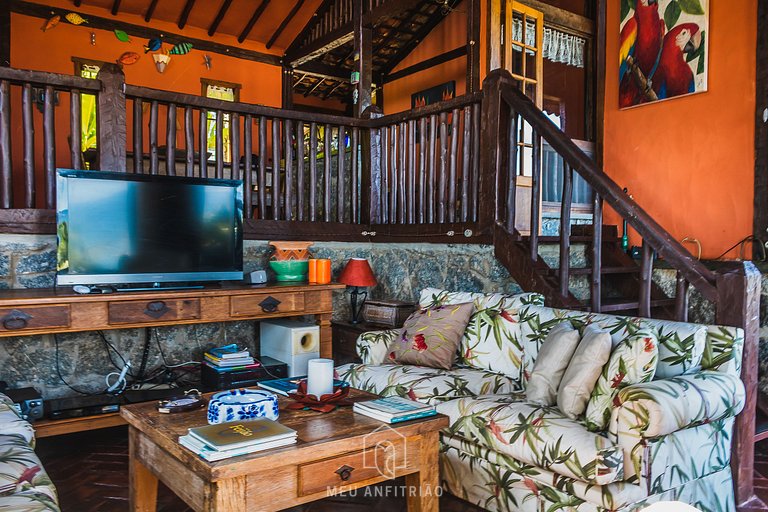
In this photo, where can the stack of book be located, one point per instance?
(229, 358)
(291, 384)
(394, 409)
(225, 440)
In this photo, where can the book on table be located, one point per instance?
(291, 384)
(240, 361)
(229, 352)
(260, 433)
(394, 409)
(212, 455)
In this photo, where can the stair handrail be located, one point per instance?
(666, 246)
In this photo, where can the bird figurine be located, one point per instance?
(153, 45)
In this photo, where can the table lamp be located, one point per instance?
(357, 274)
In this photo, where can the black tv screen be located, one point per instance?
(116, 228)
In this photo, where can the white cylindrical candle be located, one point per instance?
(320, 377)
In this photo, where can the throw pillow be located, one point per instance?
(551, 363)
(431, 336)
(632, 362)
(586, 364)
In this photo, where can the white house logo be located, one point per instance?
(384, 455)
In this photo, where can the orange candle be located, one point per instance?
(323, 271)
(313, 270)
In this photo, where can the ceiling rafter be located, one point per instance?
(219, 16)
(284, 24)
(115, 7)
(251, 22)
(314, 20)
(332, 90)
(150, 11)
(311, 90)
(185, 13)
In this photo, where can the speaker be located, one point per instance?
(256, 277)
(292, 342)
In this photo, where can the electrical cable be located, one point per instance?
(61, 377)
(740, 242)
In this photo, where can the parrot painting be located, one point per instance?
(674, 76)
(641, 39)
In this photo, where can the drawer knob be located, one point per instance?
(345, 472)
(269, 305)
(156, 309)
(16, 320)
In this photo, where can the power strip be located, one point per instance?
(141, 387)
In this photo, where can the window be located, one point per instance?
(87, 69)
(220, 91)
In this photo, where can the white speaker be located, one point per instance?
(292, 342)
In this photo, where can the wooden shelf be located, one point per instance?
(48, 428)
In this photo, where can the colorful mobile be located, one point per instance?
(181, 49)
(153, 45)
(50, 23)
(75, 18)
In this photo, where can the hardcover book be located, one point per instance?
(394, 408)
(230, 436)
(291, 384)
(212, 455)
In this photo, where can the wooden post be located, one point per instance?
(5, 35)
(287, 87)
(111, 122)
(363, 55)
(370, 175)
(473, 46)
(738, 305)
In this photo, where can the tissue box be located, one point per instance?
(242, 404)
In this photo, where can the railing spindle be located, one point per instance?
(327, 173)
(276, 169)
(153, 157)
(411, 171)
(355, 172)
(234, 138)
(453, 161)
(6, 165)
(49, 153)
(288, 149)
(170, 141)
(313, 171)
(442, 191)
(597, 254)
(535, 196)
(301, 191)
(423, 156)
(512, 160)
(385, 175)
(248, 167)
(28, 127)
(475, 161)
(341, 173)
(394, 174)
(219, 144)
(402, 182)
(681, 299)
(565, 230)
(262, 180)
(646, 278)
(466, 142)
(138, 136)
(203, 143)
(432, 176)
(189, 142)
(75, 130)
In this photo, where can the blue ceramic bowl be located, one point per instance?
(242, 404)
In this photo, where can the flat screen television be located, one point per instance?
(116, 228)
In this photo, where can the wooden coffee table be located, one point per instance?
(336, 452)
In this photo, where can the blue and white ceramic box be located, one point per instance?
(242, 404)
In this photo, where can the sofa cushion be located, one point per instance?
(633, 361)
(555, 354)
(681, 345)
(535, 434)
(22, 472)
(431, 336)
(492, 338)
(11, 422)
(582, 373)
(427, 385)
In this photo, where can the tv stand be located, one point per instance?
(49, 311)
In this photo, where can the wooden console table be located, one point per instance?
(48, 311)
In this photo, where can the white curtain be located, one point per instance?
(557, 47)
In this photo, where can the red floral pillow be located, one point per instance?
(431, 336)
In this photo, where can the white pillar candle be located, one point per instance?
(320, 377)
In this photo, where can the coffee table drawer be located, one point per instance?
(34, 317)
(268, 303)
(149, 311)
(374, 462)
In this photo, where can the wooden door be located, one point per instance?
(517, 35)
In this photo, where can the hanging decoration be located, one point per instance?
(153, 45)
(128, 58)
(181, 49)
(161, 61)
(93, 38)
(50, 23)
(75, 18)
(207, 61)
(122, 36)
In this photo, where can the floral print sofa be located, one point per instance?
(24, 484)
(667, 439)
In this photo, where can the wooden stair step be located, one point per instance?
(586, 271)
(574, 239)
(610, 305)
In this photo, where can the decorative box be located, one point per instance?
(242, 404)
(389, 313)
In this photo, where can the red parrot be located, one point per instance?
(674, 76)
(641, 39)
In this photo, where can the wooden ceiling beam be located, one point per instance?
(316, 17)
(251, 22)
(115, 7)
(323, 70)
(78, 3)
(285, 23)
(150, 11)
(312, 89)
(332, 90)
(219, 16)
(185, 13)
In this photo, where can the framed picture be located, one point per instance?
(436, 94)
(663, 50)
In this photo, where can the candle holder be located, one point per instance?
(325, 403)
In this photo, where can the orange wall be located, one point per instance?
(689, 162)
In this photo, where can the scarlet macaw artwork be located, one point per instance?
(662, 50)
